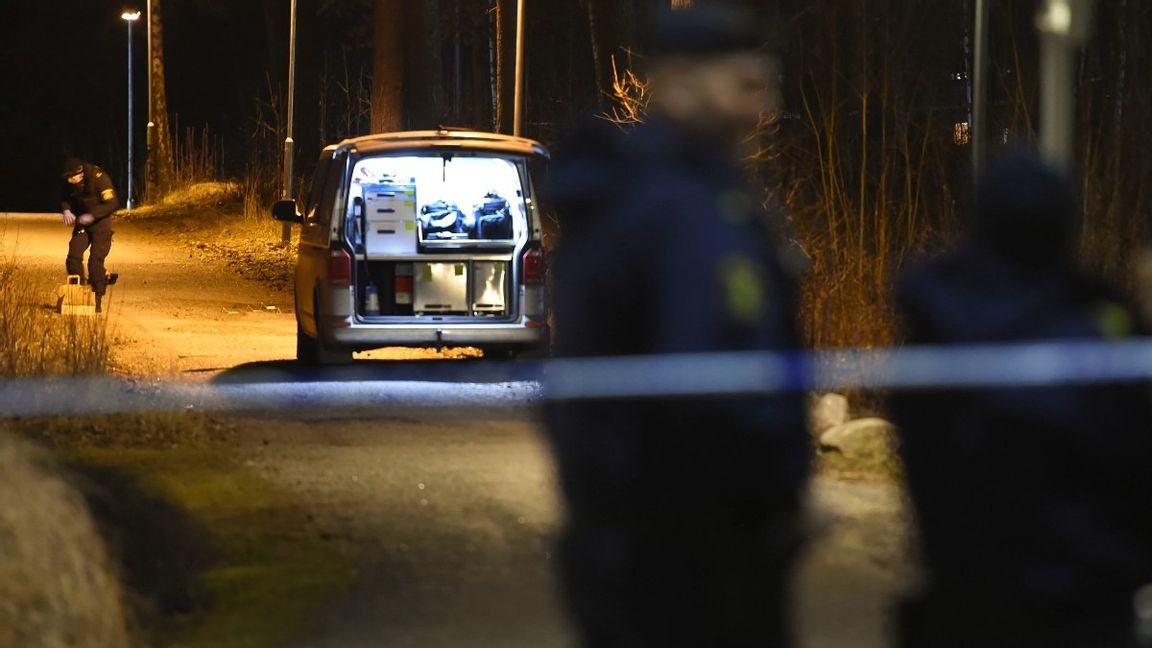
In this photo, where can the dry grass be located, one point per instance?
(37, 341)
(225, 221)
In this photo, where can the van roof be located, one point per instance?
(445, 138)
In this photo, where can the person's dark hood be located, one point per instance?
(1017, 264)
(1027, 211)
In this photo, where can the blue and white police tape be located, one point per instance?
(487, 384)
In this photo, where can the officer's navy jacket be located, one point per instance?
(663, 250)
(1026, 496)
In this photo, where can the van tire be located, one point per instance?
(313, 351)
(307, 350)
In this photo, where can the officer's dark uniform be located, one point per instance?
(1031, 502)
(682, 513)
(95, 196)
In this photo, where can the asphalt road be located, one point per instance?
(448, 514)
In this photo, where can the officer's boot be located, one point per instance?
(99, 298)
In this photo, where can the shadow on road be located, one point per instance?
(476, 371)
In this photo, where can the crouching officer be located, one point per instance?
(87, 202)
(682, 512)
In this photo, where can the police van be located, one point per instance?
(420, 239)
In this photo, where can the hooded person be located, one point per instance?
(682, 512)
(1031, 532)
(87, 202)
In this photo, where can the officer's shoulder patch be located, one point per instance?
(742, 281)
(107, 194)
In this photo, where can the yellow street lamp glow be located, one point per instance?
(130, 15)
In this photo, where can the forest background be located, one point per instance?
(869, 156)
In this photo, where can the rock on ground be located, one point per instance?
(828, 410)
(57, 585)
(861, 437)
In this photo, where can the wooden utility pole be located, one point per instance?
(518, 98)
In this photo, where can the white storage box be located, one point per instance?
(440, 287)
(390, 237)
(489, 286)
(390, 214)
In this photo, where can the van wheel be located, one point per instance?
(314, 351)
(306, 347)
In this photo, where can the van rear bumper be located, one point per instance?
(368, 336)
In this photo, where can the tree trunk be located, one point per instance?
(496, 57)
(388, 65)
(160, 164)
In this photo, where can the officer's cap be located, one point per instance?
(71, 167)
(701, 31)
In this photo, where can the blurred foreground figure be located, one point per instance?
(681, 512)
(1032, 502)
(87, 202)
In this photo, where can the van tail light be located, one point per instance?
(534, 267)
(340, 269)
(533, 273)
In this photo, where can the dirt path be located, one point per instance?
(171, 312)
(448, 521)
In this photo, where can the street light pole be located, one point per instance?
(979, 87)
(289, 144)
(1064, 26)
(130, 17)
(150, 131)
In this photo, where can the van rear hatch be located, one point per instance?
(438, 234)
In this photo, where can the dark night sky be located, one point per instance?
(63, 70)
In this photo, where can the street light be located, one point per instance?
(287, 191)
(1064, 26)
(130, 17)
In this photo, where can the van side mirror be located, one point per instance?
(286, 211)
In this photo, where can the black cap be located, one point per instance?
(71, 167)
(1027, 210)
(701, 31)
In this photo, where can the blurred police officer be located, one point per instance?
(87, 203)
(681, 512)
(1031, 502)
